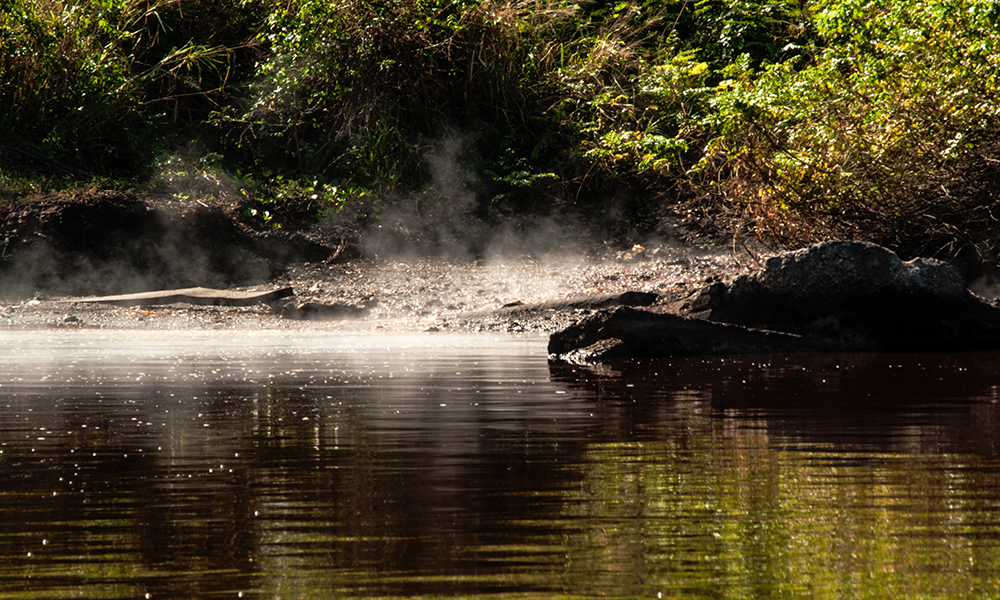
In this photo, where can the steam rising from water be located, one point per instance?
(439, 255)
(443, 222)
(434, 251)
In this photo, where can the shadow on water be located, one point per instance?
(889, 402)
(180, 464)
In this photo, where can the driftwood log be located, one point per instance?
(196, 295)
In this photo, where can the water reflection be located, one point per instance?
(193, 464)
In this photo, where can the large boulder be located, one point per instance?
(834, 296)
(831, 278)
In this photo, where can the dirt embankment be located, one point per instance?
(54, 249)
(112, 242)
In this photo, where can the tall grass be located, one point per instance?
(83, 85)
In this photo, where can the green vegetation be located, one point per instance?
(784, 120)
(885, 128)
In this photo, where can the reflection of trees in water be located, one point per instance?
(724, 477)
(868, 401)
(777, 475)
(396, 488)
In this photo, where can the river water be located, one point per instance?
(215, 464)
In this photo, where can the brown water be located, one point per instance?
(298, 465)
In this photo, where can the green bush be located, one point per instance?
(859, 138)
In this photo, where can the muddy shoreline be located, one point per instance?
(391, 276)
(513, 295)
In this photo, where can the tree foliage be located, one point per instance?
(790, 119)
(862, 134)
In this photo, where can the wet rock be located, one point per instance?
(627, 332)
(835, 296)
(592, 302)
(599, 352)
(317, 311)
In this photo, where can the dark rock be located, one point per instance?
(592, 302)
(316, 311)
(835, 296)
(831, 278)
(627, 332)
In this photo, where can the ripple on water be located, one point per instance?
(188, 464)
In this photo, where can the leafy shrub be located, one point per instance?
(639, 124)
(859, 137)
(351, 87)
(764, 31)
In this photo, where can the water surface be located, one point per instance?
(295, 465)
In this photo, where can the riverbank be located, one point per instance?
(395, 276)
(513, 294)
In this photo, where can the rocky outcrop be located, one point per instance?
(627, 332)
(835, 296)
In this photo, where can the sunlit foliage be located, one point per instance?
(873, 125)
(788, 120)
